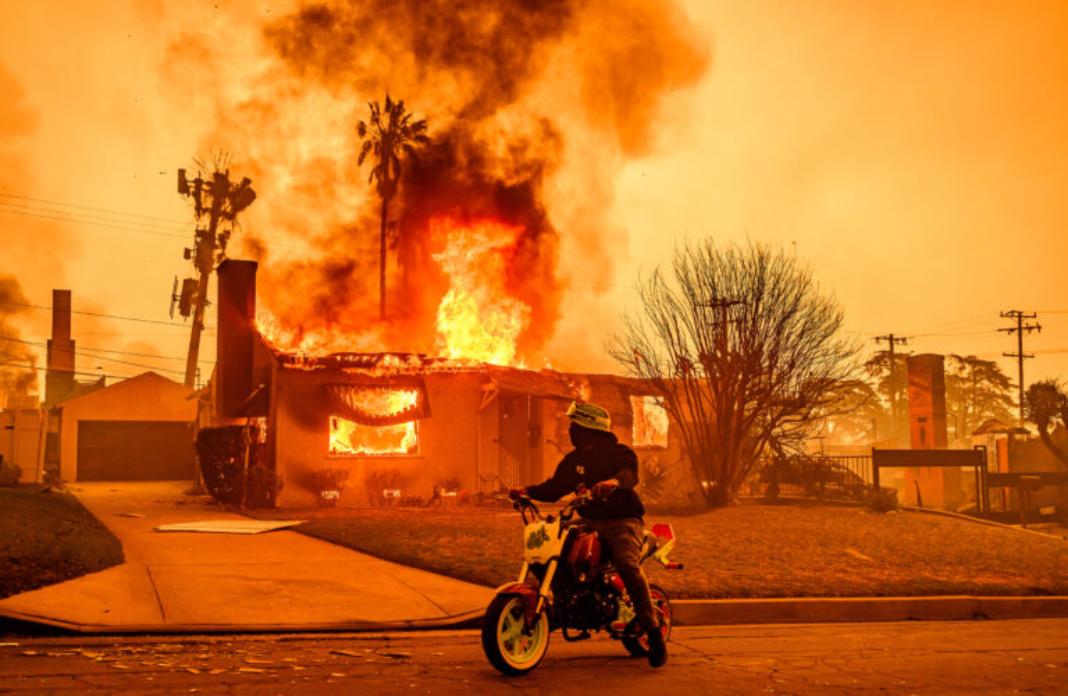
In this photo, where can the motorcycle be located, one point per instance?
(567, 583)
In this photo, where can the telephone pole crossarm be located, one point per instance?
(1020, 329)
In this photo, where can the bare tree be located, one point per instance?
(744, 349)
(1046, 405)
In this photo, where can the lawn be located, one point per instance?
(752, 550)
(48, 537)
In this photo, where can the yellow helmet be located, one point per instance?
(589, 416)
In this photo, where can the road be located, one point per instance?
(988, 657)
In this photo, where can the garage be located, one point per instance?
(134, 451)
(139, 429)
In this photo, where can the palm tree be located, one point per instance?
(390, 135)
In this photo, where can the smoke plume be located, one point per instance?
(528, 103)
(18, 362)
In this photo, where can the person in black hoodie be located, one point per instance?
(609, 469)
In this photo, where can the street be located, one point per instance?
(990, 657)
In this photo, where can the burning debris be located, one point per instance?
(498, 211)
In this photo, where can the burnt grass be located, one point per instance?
(749, 550)
(48, 537)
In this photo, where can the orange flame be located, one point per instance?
(350, 438)
(477, 318)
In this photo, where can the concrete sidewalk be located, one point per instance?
(195, 582)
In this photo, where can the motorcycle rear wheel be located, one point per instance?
(510, 648)
(638, 646)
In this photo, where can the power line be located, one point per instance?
(90, 222)
(66, 372)
(94, 208)
(98, 357)
(138, 224)
(99, 314)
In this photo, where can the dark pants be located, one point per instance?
(624, 537)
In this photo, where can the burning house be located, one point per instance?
(405, 425)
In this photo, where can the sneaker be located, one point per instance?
(657, 648)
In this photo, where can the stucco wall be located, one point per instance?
(447, 440)
(147, 397)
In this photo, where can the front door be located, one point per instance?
(520, 439)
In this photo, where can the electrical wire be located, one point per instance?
(172, 227)
(66, 372)
(90, 207)
(90, 222)
(101, 315)
(83, 353)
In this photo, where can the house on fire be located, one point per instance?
(411, 420)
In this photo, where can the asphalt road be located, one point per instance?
(987, 657)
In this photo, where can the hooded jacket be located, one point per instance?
(603, 460)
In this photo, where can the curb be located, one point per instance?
(688, 612)
(469, 619)
(704, 612)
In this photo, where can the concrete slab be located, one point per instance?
(189, 581)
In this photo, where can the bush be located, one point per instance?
(384, 487)
(221, 455)
(328, 484)
(882, 500)
(10, 473)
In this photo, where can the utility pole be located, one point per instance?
(722, 306)
(1020, 356)
(216, 203)
(893, 340)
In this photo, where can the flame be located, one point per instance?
(351, 438)
(478, 318)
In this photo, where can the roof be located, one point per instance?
(144, 379)
(543, 383)
(994, 426)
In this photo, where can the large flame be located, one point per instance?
(350, 438)
(478, 319)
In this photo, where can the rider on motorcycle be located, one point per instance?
(610, 469)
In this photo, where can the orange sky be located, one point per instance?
(916, 154)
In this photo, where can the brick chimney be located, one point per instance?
(235, 335)
(59, 379)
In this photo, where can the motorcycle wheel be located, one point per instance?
(639, 645)
(510, 649)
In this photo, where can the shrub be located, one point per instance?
(222, 454)
(882, 500)
(10, 473)
(384, 486)
(328, 484)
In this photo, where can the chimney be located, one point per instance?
(59, 379)
(927, 401)
(236, 334)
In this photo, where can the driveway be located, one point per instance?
(187, 581)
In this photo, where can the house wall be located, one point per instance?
(448, 440)
(147, 397)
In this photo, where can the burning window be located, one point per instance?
(650, 422)
(380, 422)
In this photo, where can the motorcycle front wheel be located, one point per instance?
(510, 647)
(639, 645)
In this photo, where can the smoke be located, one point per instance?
(18, 362)
(527, 102)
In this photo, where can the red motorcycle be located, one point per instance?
(567, 583)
